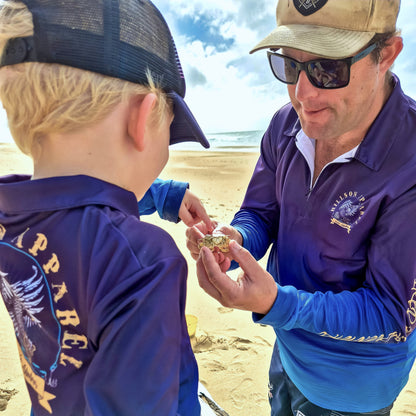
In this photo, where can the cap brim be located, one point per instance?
(316, 40)
(184, 127)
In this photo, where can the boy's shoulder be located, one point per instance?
(147, 241)
(85, 214)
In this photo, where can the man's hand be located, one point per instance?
(195, 233)
(192, 211)
(255, 289)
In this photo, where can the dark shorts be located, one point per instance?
(286, 400)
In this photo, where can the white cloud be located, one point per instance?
(238, 91)
(5, 135)
(226, 101)
(231, 97)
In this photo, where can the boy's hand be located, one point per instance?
(192, 211)
(255, 289)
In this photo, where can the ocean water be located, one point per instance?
(236, 141)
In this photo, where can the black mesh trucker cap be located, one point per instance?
(117, 38)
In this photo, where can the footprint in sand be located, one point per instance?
(204, 342)
(5, 396)
(224, 310)
(408, 409)
(243, 392)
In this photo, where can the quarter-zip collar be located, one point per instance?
(376, 145)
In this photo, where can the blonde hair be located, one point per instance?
(41, 99)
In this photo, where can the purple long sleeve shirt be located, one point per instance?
(344, 257)
(97, 299)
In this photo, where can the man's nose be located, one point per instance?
(304, 88)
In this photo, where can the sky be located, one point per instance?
(229, 89)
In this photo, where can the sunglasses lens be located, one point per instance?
(322, 73)
(284, 69)
(329, 73)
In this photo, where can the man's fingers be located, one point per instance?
(224, 285)
(246, 261)
(193, 234)
(204, 281)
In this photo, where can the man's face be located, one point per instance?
(338, 114)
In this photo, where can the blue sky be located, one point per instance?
(227, 88)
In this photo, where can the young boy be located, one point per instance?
(94, 94)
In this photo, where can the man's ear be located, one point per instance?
(390, 52)
(140, 114)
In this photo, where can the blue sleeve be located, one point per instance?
(349, 316)
(254, 232)
(165, 197)
(259, 214)
(383, 309)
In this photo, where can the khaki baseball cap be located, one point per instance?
(330, 28)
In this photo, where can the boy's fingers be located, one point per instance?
(194, 233)
(204, 217)
(187, 218)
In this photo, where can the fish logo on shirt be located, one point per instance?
(348, 210)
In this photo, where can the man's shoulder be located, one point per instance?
(285, 120)
(282, 129)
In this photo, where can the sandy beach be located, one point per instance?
(233, 353)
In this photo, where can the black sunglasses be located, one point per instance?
(322, 73)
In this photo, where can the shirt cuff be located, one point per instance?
(173, 201)
(283, 312)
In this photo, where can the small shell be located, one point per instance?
(215, 241)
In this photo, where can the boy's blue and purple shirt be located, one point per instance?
(97, 299)
(344, 257)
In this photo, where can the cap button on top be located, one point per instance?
(16, 51)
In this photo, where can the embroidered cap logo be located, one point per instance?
(308, 7)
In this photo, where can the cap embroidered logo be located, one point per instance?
(308, 7)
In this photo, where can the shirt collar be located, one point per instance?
(385, 130)
(306, 146)
(19, 194)
(378, 141)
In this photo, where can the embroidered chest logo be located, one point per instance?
(308, 7)
(348, 210)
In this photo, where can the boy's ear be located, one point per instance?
(140, 114)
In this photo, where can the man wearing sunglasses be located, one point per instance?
(334, 193)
